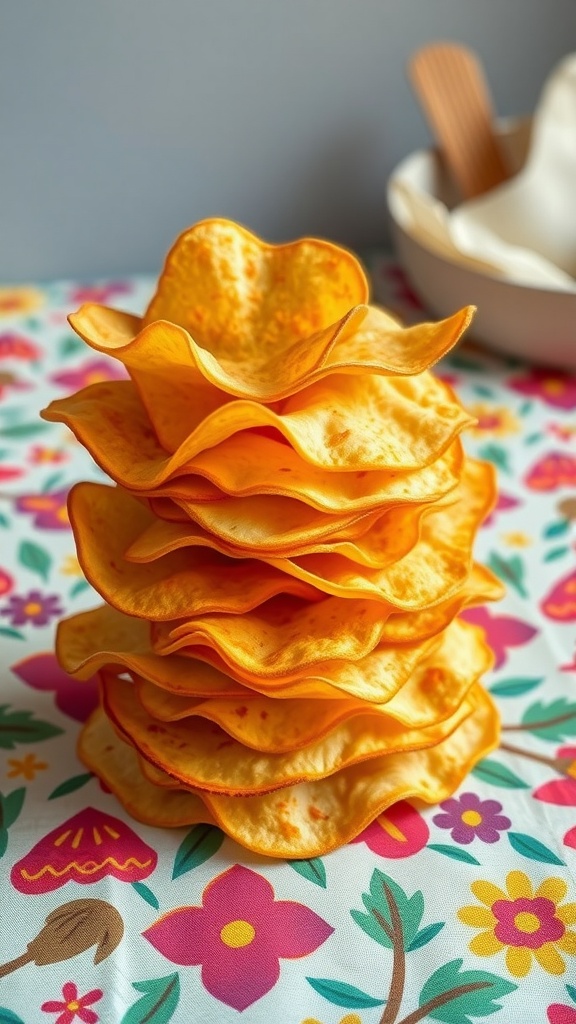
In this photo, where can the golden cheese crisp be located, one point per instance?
(285, 552)
(311, 818)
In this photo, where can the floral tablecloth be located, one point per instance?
(453, 913)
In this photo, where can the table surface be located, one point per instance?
(483, 897)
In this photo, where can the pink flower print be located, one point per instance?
(85, 848)
(16, 346)
(238, 935)
(10, 473)
(557, 469)
(42, 672)
(39, 454)
(74, 1006)
(92, 372)
(563, 431)
(399, 832)
(551, 386)
(559, 1013)
(561, 792)
(100, 293)
(501, 631)
(34, 607)
(6, 583)
(504, 502)
(560, 602)
(549, 927)
(49, 511)
(469, 817)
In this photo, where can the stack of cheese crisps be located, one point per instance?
(284, 554)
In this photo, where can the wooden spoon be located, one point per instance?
(450, 84)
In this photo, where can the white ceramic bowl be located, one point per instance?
(531, 323)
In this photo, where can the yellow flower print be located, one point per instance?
(16, 301)
(492, 419)
(350, 1018)
(71, 567)
(530, 925)
(26, 766)
(517, 539)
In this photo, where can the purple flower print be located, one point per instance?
(33, 607)
(469, 817)
(49, 511)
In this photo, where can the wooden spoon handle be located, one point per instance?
(449, 82)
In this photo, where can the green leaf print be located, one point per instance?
(489, 770)
(555, 721)
(35, 558)
(454, 852)
(384, 898)
(159, 1002)
(21, 727)
(510, 570)
(341, 994)
(312, 869)
(451, 994)
(201, 843)
(515, 687)
(146, 893)
(532, 848)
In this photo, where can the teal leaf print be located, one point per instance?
(70, 345)
(526, 407)
(557, 529)
(78, 587)
(426, 935)
(571, 992)
(201, 843)
(383, 903)
(510, 570)
(489, 770)
(14, 634)
(555, 721)
(455, 852)
(71, 785)
(515, 687)
(4, 521)
(341, 994)
(312, 869)
(459, 362)
(157, 1005)
(498, 456)
(52, 482)
(555, 553)
(146, 894)
(451, 994)
(533, 438)
(35, 558)
(22, 430)
(483, 391)
(11, 805)
(22, 727)
(532, 848)
(7, 1017)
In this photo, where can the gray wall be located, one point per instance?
(123, 121)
